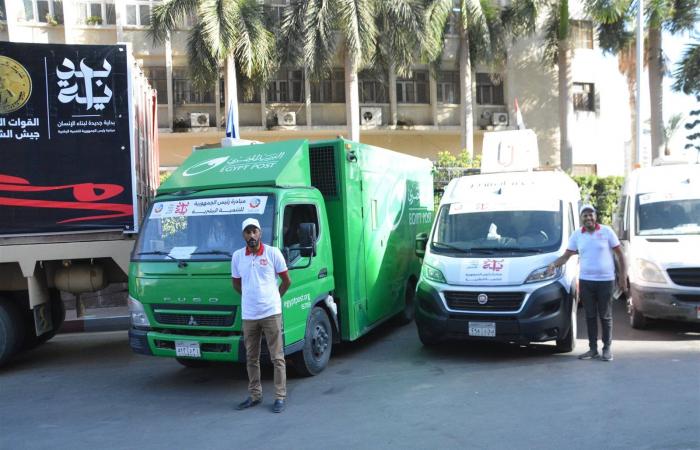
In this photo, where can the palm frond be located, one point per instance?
(167, 16)
(684, 17)
(400, 23)
(356, 22)
(687, 73)
(204, 67)
(437, 14)
(519, 18)
(551, 36)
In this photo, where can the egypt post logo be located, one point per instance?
(204, 166)
(254, 203)
(15, 85)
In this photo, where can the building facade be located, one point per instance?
(292, 106)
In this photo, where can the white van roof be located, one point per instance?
(544, 184)
(664, 178)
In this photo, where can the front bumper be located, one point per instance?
(671, 304)
(213, 348)
(545, 316)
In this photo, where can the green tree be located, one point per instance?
(230, 32)
(479, 25)
(687, 73)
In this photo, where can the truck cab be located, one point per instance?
(484, 272)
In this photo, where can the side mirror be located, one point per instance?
(307, 239)
(421, 243)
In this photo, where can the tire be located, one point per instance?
(318, 343)
(11, 330)
(193, 363)
(427, 338)
(568, 343)
(409, 309)
(638, 321)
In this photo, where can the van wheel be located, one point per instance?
(409, 308)
(11, 330)
(568, 343)
(638, 321)
(318, 343)
(193, 363)
(427, 338)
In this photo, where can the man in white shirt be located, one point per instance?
(595, 245)
(254, 272)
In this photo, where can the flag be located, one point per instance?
(230, 125)
(518, 116)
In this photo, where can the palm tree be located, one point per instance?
(687, 73)
(226, 32)
(480, 40)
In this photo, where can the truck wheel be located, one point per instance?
(193, 363)
(568, 343)
(427, 338)
(409, 308)
(638, 321)
(11, 330)
(318, 342)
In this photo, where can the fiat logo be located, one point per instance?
(482, 299)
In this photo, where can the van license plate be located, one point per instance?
(189, 349)
(482, 329)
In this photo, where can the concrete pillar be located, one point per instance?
(393, 107)
(120, 13)
(433, 97)
(13, 10)
(70, 21)
(217, 105)
(169, 81)
(263, 107)
(307, 95)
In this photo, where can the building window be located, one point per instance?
(448, 87)
(330, 89)
(372, 87)
(287, 87)
(274, 13)
(41, 11)
(158, 78)
(584, 97)
(183, 91)
(413, 90)
(3, 14)
(489, 89)
(582, 33)
(96, 13)
(138, 12)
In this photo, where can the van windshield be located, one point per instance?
(201, 229)
(662, 214)
(484, 232)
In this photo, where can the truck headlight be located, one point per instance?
(138, 315)
(648, 271)
(432, 274)
(542, 275)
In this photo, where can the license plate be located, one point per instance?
(189, 349)
(482, 329)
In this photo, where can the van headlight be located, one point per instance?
(432, 274)
(648, 271)
(542, 275)
(139, 319)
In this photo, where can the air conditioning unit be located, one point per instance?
(371, 115)
(199, 120)
(499, 118)
(287, 119)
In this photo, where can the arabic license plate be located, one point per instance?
(482, 329)
(189, 349)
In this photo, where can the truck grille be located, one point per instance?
(497, 301)
(323, 170)
(685, 277)
(194, 320)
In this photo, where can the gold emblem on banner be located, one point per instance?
(15, 85)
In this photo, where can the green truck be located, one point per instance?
(344, 214)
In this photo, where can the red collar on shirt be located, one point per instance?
(583, 230)
(260, 250)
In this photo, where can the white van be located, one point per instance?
(484, 268)
(658, 222)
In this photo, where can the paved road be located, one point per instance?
(86, 391)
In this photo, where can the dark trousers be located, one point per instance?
(597, 302)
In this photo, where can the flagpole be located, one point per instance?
(640, 65)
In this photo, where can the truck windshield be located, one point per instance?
(201, 229)
(662, 214)
(485, 232)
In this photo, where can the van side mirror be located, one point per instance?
(307, 239)
(421, 243)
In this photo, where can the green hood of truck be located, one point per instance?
(283, 163)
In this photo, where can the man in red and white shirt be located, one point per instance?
(254, 272)
(595, 245)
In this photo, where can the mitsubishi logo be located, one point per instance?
(482, 299)
(192, 322)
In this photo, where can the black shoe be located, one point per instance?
(279, 405)
(248, 403)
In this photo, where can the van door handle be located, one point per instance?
(323, 273)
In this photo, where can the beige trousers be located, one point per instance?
(252, 334)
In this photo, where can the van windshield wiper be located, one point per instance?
(450, 246)
(180, 263)
(213, 252)
(507, 249)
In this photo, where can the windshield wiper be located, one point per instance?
(180, 263)
(213, 252)
(459, 249)
(507, 249)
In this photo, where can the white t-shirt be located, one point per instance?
(595, 252)
(258, 273)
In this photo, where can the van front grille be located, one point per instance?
(496, 301)
(689, 276)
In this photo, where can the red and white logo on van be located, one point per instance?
(254, 203)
